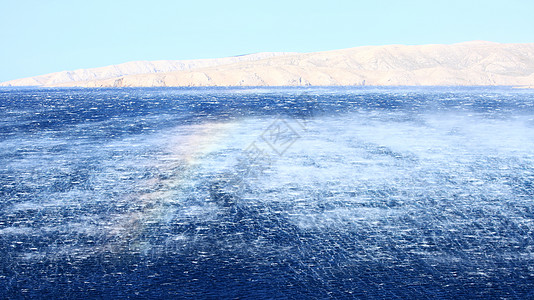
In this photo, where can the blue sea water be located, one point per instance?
(267, 193)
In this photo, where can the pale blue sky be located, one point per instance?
(39, 37)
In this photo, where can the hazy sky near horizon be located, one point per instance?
(40, 37)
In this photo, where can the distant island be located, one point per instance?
(469, 63)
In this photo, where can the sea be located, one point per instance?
(267, 193)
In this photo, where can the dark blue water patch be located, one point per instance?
(221, 273)
(129, 110)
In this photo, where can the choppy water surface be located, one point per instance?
(267, 193)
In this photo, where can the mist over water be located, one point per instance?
(267, 192)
